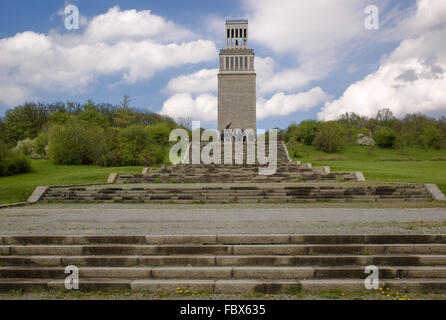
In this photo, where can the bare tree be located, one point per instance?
(125, 103)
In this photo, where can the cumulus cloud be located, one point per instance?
(316, 33)
(282, 104)
(144, 46)
(204, 80)
(117, 25)
(204, 106)
(411, 79)
(183, 105)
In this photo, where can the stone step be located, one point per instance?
(354, 272)
(229, 249)
(228, 239)
(242, 286)
(221, 260)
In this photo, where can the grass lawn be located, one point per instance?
(18, 188)
(416, 165)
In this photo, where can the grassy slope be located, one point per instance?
(18, 188)
(359, 159)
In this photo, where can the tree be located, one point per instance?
(125, 103)
(384, 115)
(330, 137)
(385, 138)
(304, 133)
(75, 143)
(352, 120)
(24, 122)
(431, 138)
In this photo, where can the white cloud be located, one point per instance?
(281, 104)
(117, 25)
(12, 95)
(204, 106)
(318, 33)
(30, 61)
(411, 79)
(204, 80)
(183, 105)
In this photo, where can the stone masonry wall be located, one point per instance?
(237, 100)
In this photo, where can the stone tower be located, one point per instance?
(237, 79)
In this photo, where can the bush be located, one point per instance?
(295, 149)
(431, 138)
(153, 155)
(304, 133)
(25, 147)
(385, 138)
(132, 141)
(40, 145)
(75, 143)
(12, 163)
(330, 137)
(159, 133)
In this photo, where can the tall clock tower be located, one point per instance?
(237, 79)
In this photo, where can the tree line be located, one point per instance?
(82, 134)
(387, 131)
(119, 135)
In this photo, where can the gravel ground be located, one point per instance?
(302, 295)
(127, 219)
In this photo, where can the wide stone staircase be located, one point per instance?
(287, 170)
(239, 183)
(224, 263)
(243, 193)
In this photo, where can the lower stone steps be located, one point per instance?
(245, 286)
(224, 263)
(233, 260)
(233, 192)
(341, 272)
(260, 249)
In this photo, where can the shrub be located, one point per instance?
(25, 147)
(159, 133)
(12, 163)
(431, 138)
(330, 137)
(40, 145)
(295, 149)
(153, 155)
(132, 141)
(75, 143)
(385, 138)
(306, 132)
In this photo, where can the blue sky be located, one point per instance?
(313, 60)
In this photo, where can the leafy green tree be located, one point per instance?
(91, 114)
(159, 133)
(431, 138)
(330, 137)
(132, 141)
(24, 122)
(385, 138)
(304, 133)
(75, 143)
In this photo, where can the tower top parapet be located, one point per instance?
(237, 21)
(237, 34)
